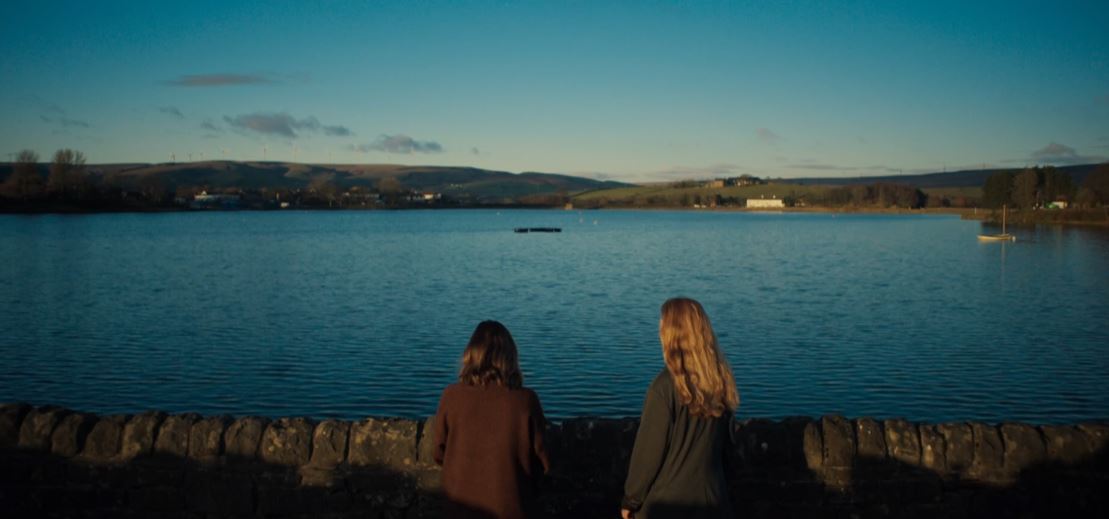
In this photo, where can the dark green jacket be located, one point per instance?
(677, 464)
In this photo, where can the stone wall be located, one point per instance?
(59, 462)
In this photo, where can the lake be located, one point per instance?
(349, 314)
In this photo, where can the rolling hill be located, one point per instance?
(962, 178)
(460, 182)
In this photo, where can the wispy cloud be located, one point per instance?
(1060, 155)
(171, 110)
(337, 131)
(211, 125)
(51, 113)
(218, 80)
(65, 122)
(283, 125)
(768, 136)
(400, 144)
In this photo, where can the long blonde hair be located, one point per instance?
(701, 374)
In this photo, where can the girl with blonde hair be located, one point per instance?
(677, 464)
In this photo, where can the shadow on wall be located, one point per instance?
(59, 462)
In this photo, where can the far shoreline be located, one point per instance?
(965, 213)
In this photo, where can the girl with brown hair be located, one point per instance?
(677, 464)
(489, 432)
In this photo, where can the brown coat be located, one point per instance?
(489, 441)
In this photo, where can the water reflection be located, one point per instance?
(350, 314)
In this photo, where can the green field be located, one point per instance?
(668, 195)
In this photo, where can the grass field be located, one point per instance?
(664, 193)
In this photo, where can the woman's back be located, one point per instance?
(489, 440)
(677, 466)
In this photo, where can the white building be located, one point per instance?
(765, 203)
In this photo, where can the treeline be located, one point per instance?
(1040, 187)
(66, 184)
(878, 195)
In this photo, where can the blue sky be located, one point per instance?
(633, 91)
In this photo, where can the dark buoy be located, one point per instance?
(538, 229)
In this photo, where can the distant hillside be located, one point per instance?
(460, 182)
(963, 178)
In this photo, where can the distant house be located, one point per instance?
(745, 180)
(765, 203)
(715, 183)
(215, 201)
(424, 197)
(1058, 204)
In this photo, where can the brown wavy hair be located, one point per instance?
(701, 374)
(491, 358)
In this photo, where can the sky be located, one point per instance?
(632, 91)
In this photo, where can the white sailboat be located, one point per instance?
(1004, 236)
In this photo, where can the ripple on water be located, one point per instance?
(353, 314)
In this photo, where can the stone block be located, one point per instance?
(38, 425)
(903, 441)
(383, 441)
(173, 435)
(104, 440)
(220, 493)
(243, 437)
(319, 477)
(1098, 436)
(329, 443)
(382, 487)
(1066, 444)
(11, 418)
(1024, 447)
(69, 435)
(592, 450)
(839, 441)
(287, 441)
(933, 448)
(140, 433)
(155, 501)
(206, 438)
(425, 450)
(813, 445)
(989, 454)
(763, 445)
(871, 439)
(958, 440)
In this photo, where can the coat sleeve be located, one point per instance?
(651, 442)
(439, 424)
(729, 445)
(538, 436)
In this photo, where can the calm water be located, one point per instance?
(348, 314)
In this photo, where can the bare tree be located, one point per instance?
(25, 181)
(324, 187)
(67, 173)
(390, 189)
